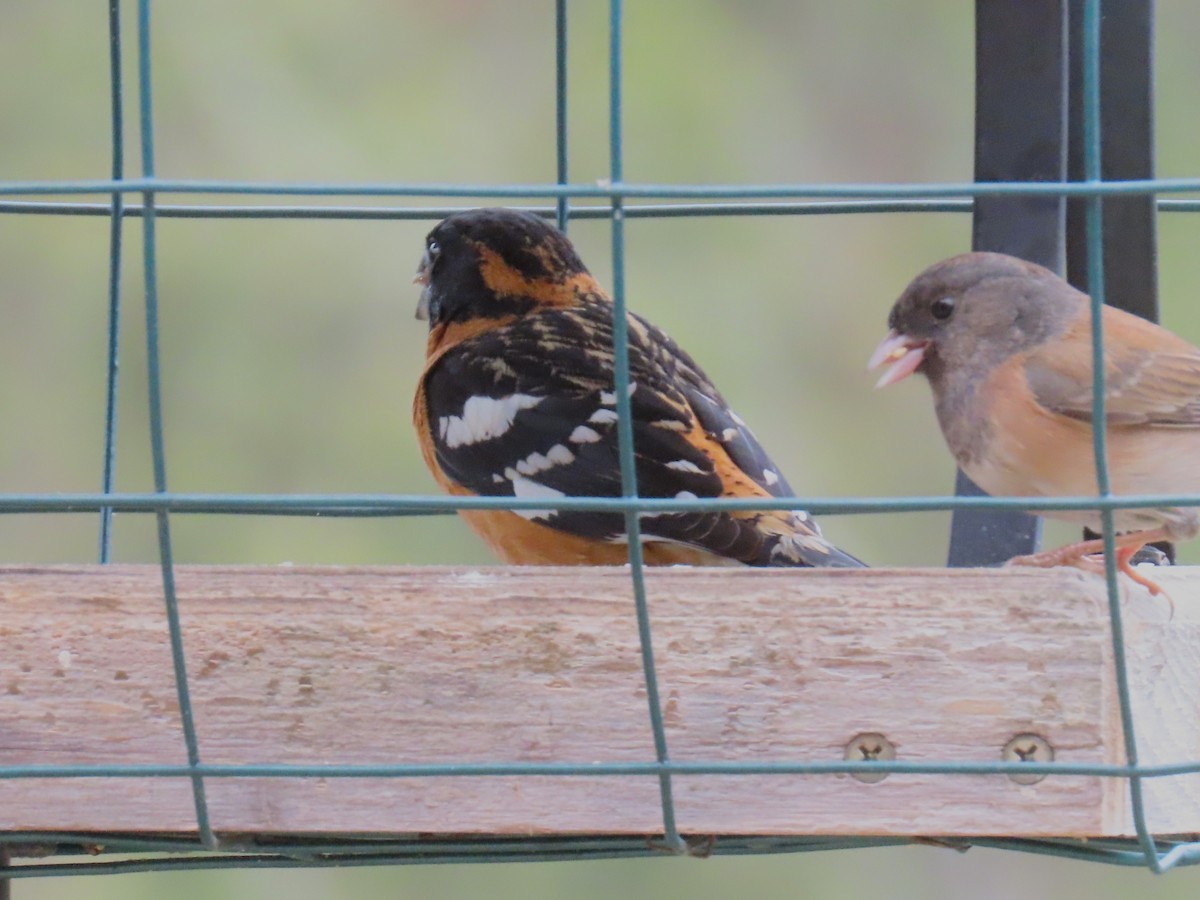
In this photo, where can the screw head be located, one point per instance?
(870, 746)
(1027, 748)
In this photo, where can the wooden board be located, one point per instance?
(436, 665)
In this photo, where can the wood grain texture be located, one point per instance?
(433, 665)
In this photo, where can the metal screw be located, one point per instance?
(1027, 748)
(869, 746)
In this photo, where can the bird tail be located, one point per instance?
(755, 538)
(793, 539)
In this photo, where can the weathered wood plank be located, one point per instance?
(430, 665)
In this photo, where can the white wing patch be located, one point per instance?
(526, 487)
(609, 398)
(523, 485)
(770, 477)
(807, 519)
(483, 418)
(603, 416)
(558, 455)
(685, 465)
(584, 435)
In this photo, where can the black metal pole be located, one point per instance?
(1126, 153)
(1020, 135)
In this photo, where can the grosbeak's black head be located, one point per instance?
(495, 263)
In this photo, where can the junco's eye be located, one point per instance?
(942, 308)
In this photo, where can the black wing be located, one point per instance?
(528, 410)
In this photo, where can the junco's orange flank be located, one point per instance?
(1006, 346)
(517, 400)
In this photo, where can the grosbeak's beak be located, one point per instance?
(422, 278)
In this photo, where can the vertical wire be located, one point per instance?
(1095, 259)
(114, 276)
(154, 390)
(560, 106)
(622, 388)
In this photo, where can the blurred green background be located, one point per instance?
(290, 350)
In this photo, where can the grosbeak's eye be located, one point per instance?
(942, 307)
(433, 249)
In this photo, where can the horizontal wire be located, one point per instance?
(369, 851)
(294, 845)
(342, 505)
(436, 213)
(433, 851)
(597, 769)
(300, 846)
(259, 861)
(614, 190)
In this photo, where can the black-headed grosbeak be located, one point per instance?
(517, 400)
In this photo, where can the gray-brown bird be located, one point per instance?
(1006, 347)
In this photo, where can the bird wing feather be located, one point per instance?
(1151, 376)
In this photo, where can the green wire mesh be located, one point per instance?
(721, 200)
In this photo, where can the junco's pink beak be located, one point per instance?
(903, 352)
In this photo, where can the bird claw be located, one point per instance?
(1085, 556)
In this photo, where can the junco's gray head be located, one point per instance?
(973, 312)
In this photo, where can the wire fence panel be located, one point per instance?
(1004, 203)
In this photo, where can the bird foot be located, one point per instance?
(1089, 556)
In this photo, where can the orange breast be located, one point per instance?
(520, 542)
